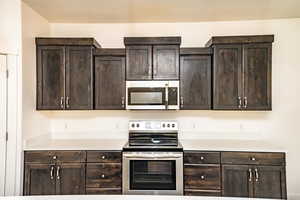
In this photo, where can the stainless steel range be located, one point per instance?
(153, 159)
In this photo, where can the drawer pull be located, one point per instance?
(250, 175)
(201, 158)
(57, 173)
(103, 157)
(256, 175)
(202, 177)
(102, 176)
(253, 158)
(54, 157)
(51, 172)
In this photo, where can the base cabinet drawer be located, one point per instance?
(104, 156)
(108, 175)
(252, 158)
(202, 177)
(191, 192)
(105, 191)
(199, 157)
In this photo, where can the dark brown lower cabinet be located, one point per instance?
(70, 178)
(39, 179)
(49, 179)
(104, 172)
(254, 181)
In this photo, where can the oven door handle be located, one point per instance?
(152, 156)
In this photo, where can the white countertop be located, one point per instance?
(196, 144)
(96, 144)
(120, 197)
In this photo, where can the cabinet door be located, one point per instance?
(139, 62)
(195, 81)
(257, 76)
(269, 182)
(39, 179)
(236, 181)
(109, 83)
(227, 83)
(50, 77)
(166, 62)
(79, 70)
(70, 179)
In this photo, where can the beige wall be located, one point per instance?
(10, 20)
(34, 123)
(279, 126)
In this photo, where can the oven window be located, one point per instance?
(152, 175)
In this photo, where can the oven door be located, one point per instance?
(158, 95)
(155, 173)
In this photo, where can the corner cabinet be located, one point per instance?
(65, 73)
(195, 78)
(242, 72)
(109, 79)
(152, 58)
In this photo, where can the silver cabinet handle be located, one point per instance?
(68, 102)
(181, 102)
(256, 175)
(123, 101)
(240, 102)
(245, 102)
(62, 102)
(57, 173)
(253, 159)
(201, 158)
(167, 96)
(250, 175)
(202, 177)
(51, 172)
(103, 157)
(54, 157)
(102, 176)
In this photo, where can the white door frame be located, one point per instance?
(3, 121)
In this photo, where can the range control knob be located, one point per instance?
(132, 125)
(163, 125)
(137, 125)
(173, 125)
(168, 125)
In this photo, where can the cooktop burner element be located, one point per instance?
(153, 135)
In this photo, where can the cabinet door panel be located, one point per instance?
(39, 179)
(257, 76)
(50, 77)
(195, 80)
(109, 82)
(79, 70)
(236, 182)
(269, 182)
(166, 62)
(70, 179)
(227, 84)
(139, 62)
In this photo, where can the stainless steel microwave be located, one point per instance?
(154, 95)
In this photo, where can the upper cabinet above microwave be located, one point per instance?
(152, 58)
(65, 73)
(242, 72)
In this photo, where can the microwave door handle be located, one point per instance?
(167, 95)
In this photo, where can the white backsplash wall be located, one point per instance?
(192, 124)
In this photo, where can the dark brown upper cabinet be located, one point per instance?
(242, 72)
(166, 62)
(65, 73)
(152, 58)
(109, 79)
(195, 78)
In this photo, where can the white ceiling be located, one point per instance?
(124, 11)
